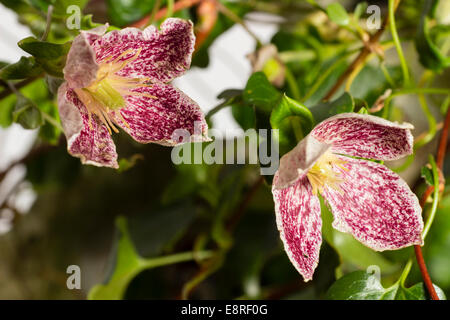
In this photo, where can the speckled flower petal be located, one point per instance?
(81, 66)
(365, 136)
(376, 206)
(165, 54)
(298, 220)
(295, 163)
(93, 145)
(155, 119)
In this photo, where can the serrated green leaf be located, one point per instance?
(360, 285)
(336, 12)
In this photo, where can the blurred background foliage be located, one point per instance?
(157, 230)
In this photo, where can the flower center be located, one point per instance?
(324, 173)
(106, 93)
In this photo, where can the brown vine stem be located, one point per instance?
(424, 271)
(440, 164)
(361, 58)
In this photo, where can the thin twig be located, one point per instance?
(49, 23)
(362, 56)
(235, 18)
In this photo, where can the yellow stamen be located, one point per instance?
(104, 97)
(325, 172)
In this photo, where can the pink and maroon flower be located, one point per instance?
(367, 199)
(120, 79)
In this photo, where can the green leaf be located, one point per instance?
(16, 5)
(361, 106)
(288, 108)
(42, 49)
(345, 103)
(336, 12)
(260, 93)
(292, 119)
(87, 23)
(35, 91)
(430, 55)
(51, 56)
(360, 285)
(27, 114)
(244, 115)
(427, 174)
(26, 67)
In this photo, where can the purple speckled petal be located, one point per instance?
(156, 119)
(81, 67)
(92, 145)
(165, 54)
(296, 162)
(376, 206)
(365, 136)
(298, 220)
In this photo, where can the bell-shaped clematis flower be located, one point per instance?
(120, 79)
(367, 199)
